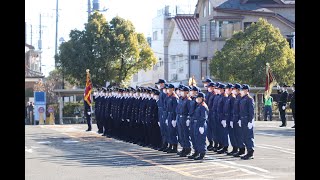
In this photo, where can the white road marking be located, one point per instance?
(28, 150)
(35, 147)
(44, 142)
(237, 166)
(267, 134)
(70, 141)
(275, 149)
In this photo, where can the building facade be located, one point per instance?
(218, 19)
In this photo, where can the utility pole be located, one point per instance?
(56, 44)
(89, 9)
(40, 44)
(31, 34)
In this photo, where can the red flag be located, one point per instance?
(87, 92)
(270, 82)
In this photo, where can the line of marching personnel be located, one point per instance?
(165, 117)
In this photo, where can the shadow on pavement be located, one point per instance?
(101, 151)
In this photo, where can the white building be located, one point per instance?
(174, 42)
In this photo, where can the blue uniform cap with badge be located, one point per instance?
(185, 88)
(222, 86)
(171, 86)
(166, 86)
(195, 88)
(212, 84)
(156, 92)
(237, 86)
(245, 86)
(201, 94)
(229, 85)
(208, 80)
(161, 81)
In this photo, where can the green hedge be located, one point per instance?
(73, 109)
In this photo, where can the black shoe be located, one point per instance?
(174, 149)
(223, 150)
(88, 130)
(200, 157)
(195, 154)
(249, 155)
(240, 152)
(168, 148)
(293, 126)
(234, 150)
(209, 148)
(265, 120)
(215, 149)
(181, 152)
(186, 152)
(282, 125)
(219, 148)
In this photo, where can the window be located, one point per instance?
(173, 62)
(204, 11)
(223, 29)
(247, 24)
(209, 8)
(212, 29)
(203, 33)
(203, 69)
(155, 35)
(194, 57)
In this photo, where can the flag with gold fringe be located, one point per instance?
(192, 81)
(88, 89)
(270, 82)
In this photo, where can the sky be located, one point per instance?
(73, 14)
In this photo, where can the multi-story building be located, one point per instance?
(218, 19)
(175, 39)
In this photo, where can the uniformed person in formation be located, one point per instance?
(211, 121)
(193, 105)
(228, 112)
(98, 109)
(200, 127)
(282, 104)
(222, 120)
(247, 120)
(171, 103)
(236, 125)
(160, 103)
(182, 111)
(214, 109)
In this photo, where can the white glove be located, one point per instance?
(167, 122)
(283, 107)
(224, 123)
(128, 120)
(201, 130)
(188, 123)
(239, 122)
(89, 113)
(231, 124)
(250, 125)
(122, 119)
(174, 123)
(159, 124)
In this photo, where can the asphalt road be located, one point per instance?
(67, 152)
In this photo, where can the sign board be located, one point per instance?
(50, 109)
(39, 109)
(39, 98)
